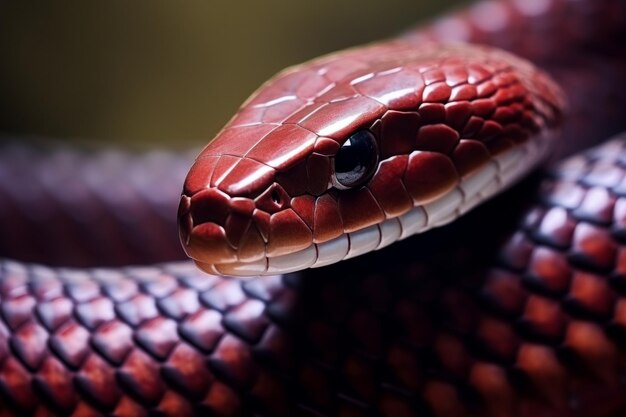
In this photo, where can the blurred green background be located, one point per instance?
(161, 71)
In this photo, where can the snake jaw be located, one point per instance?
(231, 220)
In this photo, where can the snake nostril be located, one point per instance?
(274, 199)
(276, 196)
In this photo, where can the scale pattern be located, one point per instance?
(106, 208)
(263, 187)
(541, 332)
(286, 134)
(576, 42)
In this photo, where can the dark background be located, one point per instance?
(165, 72)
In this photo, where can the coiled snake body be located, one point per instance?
(489, 316)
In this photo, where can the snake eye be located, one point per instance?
(356, 160)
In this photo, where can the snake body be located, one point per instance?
(489, 316)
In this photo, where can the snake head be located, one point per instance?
(351, 152)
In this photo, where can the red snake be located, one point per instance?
(489, 316)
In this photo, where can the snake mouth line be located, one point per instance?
(496, 175)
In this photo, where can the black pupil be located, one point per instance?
(356, 159)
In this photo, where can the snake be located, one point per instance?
(513, 308)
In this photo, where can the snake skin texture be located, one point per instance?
(286, 137)
(516, 309)
(577, 42)
(260, 197)
(101, 208)
(541, 332)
